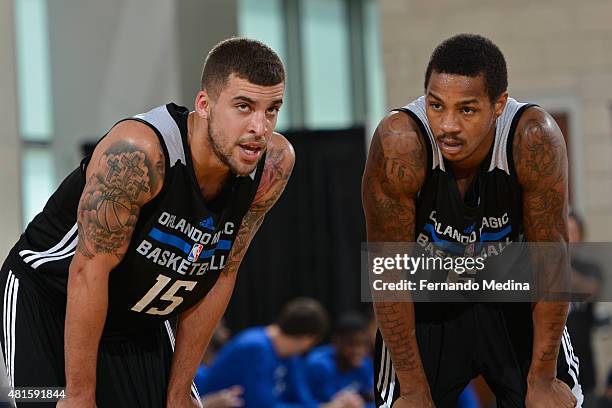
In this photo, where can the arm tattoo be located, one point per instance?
(124, 179)
(394, 174)
(551, 333)
(541, 164)
(273, 180)
(250, 224)
(274, 175)
(399, 337)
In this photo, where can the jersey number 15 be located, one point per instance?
(169, 295)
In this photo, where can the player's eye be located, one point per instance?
(273, 110)
(243, 107)
(435, 106)
(467, 111)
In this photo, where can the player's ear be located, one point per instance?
(500, 103)
(203, 104)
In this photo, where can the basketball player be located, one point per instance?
(149, 229)
(467, 151)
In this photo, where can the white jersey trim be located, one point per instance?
(573, 366)
(418, 108)
(51, 251)
(10, 311)
(57, 252)
(386, 378)
(502, 133)
(161, 120)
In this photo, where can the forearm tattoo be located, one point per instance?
(274, 178)
(541, 163)
(394, 174)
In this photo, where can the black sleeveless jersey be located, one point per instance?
(179, 246)
(489, 217)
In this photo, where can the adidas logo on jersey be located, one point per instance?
(208, 223)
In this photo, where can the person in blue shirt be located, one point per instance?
(226, 398)
(265, 361)
(344, 365)
(468, 398)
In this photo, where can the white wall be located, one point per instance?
(115, 58)
(201, 25)
(109, 59)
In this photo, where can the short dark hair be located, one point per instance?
(350, 323)
(303, 317)
(247, 59)
(471, 55)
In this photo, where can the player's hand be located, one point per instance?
(544, 393)
(187, 401)
(227, 398)
(346, 399)
(414, 400)
(76, 403)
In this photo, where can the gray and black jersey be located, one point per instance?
(459, 341)
(490, 209)
(489, 216)
(179, 246)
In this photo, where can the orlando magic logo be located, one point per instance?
(194, 254)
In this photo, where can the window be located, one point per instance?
(332, 56)
(326, 64)
(37, 179)
(263, 20)
(34, 95)
(376, 105)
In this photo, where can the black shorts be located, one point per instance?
(132, 371)
(457, 342)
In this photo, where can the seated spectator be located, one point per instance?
(468, 398)
(344, 365)
(219, 337)
(265, 361)
(227, 398)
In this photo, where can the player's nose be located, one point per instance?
(449, 123)
(258, 125)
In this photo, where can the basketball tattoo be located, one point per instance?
(109, 207)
